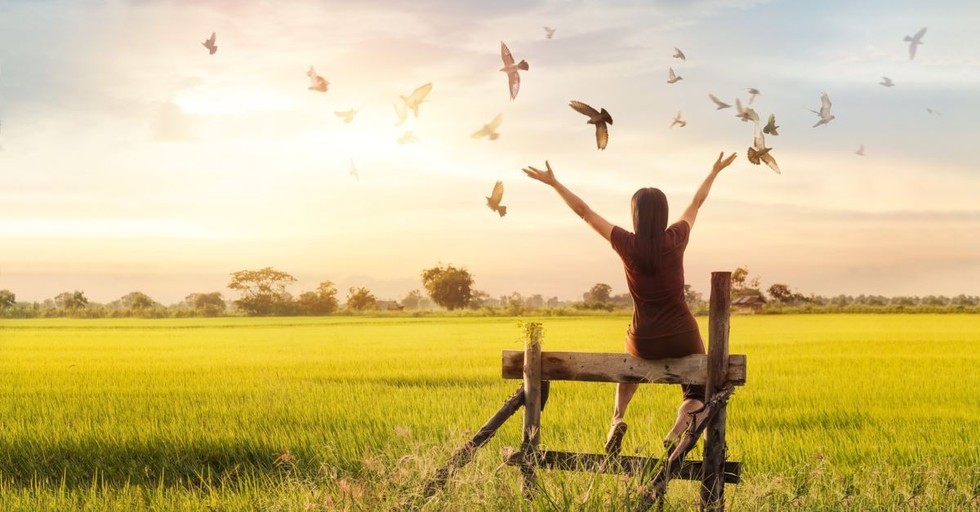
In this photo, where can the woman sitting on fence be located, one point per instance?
(653, 257)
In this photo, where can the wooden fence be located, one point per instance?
(718, 371)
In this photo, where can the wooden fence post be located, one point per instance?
(531, 437)
(713, 479)
(464, 455)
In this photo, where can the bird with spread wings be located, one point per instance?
(412, 101)
(599, 118)
(489, 129)
(493, 202)
(513, 77)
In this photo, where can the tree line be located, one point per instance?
(264, 292)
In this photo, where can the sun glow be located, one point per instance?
(61, 228)
(209, 100)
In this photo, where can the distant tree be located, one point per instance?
(600, 292)
(515, 304)
(904, 301)
(965, 300)
(449, 287)
(871, 300)
(71, 301)
(322, 301)
(263, 291)
(206, 304)
(413, 300)
(598, 297)
(623, 300)
(7, 299)
(360, 299)
(534, 301)
(553, 302)
(744, 285)
(479, 299)
(137, 301)
(693, 298)
(780, 294)
(933, 300)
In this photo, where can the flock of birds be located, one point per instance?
(757, 153)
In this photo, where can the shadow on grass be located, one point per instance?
(154, 464)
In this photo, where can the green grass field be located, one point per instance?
(840, 412)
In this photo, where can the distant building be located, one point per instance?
(749, 303)
(389, 305)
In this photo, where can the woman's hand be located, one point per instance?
(722, 162)
(546, 177)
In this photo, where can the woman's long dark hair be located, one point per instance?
(649, 207)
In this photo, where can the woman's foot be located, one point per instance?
(614, 440)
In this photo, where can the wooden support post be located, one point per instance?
(713, 481)
(464, 455)
(675, 462)
(531, 437)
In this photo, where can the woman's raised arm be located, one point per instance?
(691, 212)
(601, 225)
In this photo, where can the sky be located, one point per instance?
(131, 159)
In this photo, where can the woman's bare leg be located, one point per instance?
(617, 427)
(683, 419)
(624, 393)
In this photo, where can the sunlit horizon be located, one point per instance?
(131, 159)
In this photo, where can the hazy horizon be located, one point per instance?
(131, 159)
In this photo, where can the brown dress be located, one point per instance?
(662, 326)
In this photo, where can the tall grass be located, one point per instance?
(840, 412)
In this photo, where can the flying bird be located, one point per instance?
(933, 112)
(672, 77)
(599, 119)
(407, 137)
(678, 54)
(887, 82)
(745, 114)
(721, 104)
(915, 41)
(759, 152)
(549, 32)
(678, 121)
(353, 171)
(489, 129)
(771, 127)
(860, 150)
(754, 154)
(317, 82)
(824, 113)
(209, 44)
(495, 197)
(513, 78)
(347, 115)
(401, 113)
(753, 92)
(412, 101)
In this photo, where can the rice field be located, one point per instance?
(840, 412)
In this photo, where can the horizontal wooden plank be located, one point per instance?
(594, 462)
(611, 367)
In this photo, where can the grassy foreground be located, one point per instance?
(840, 412)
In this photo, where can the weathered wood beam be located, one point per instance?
(464, 455)
(601, 463)
(609, 367)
